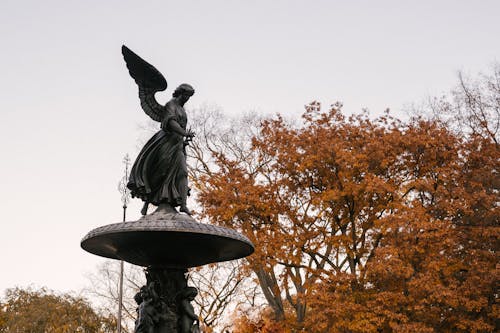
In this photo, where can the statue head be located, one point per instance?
(188, 293)
(184, 89)
(141, 295)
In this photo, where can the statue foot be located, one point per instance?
(184, 209)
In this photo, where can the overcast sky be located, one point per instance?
(69, 111)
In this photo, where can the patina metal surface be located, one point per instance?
(171, 240)
(159, 173)
(164, 303)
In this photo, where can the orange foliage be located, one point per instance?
(264, 324)
(364, 225)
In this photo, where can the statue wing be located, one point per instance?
(149, 80)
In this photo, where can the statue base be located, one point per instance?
(164, 303)
(167, 243)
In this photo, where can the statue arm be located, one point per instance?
(174, 126)
(189, 310)
(169, 122)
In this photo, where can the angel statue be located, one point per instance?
(159, 174)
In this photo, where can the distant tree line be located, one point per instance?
(45, 311)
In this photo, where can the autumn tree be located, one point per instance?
(307, 202)
(27, 310)
(360, 224)
(434, 269)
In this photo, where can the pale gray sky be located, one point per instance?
(69, 111)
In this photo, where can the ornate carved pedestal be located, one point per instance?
(167, 243)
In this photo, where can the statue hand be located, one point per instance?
(190, 133)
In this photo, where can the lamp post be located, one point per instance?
(122, 187)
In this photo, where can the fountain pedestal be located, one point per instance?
(167, 244)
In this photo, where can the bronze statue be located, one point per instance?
(147, 312)
(188, 321)
(166, 243)
(159, 173)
